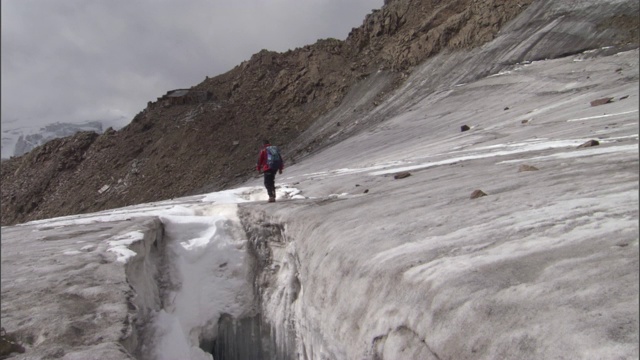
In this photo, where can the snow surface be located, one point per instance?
(544, 266)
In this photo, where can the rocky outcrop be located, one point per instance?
(405, 33)
(28, 183)
(296, 99)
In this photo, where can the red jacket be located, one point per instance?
(262, 160)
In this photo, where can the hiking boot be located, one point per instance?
(272, 199)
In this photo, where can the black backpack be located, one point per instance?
(274, 160)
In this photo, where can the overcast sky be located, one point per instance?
(77, 60)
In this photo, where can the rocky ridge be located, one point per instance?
(173, 149)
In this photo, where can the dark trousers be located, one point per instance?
(270, 182)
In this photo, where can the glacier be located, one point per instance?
(351, 263)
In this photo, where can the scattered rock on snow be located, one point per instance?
(402, 175)
(366, 191)
(477, 193)
(589, 144)
(464, 128)
(602, 101)
(506, 108)
(623, 97)
(524, 121)
(527, 168)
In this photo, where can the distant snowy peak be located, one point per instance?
(27, 142)
(19, 141)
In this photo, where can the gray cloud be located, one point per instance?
(76, 60)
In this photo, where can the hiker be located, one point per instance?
(270, 162)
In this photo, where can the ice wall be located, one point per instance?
(275, 282)
(80, 288)
(142, 272)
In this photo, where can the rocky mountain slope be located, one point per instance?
(206, 138)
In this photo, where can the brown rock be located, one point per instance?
(602, 101)
(477, 193)
(589, 144)
(464, 128)
(527, 168)
(9, 344)
(402, 175)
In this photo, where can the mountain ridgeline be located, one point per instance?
(206, 138)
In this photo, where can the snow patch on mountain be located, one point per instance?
(20, 140)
